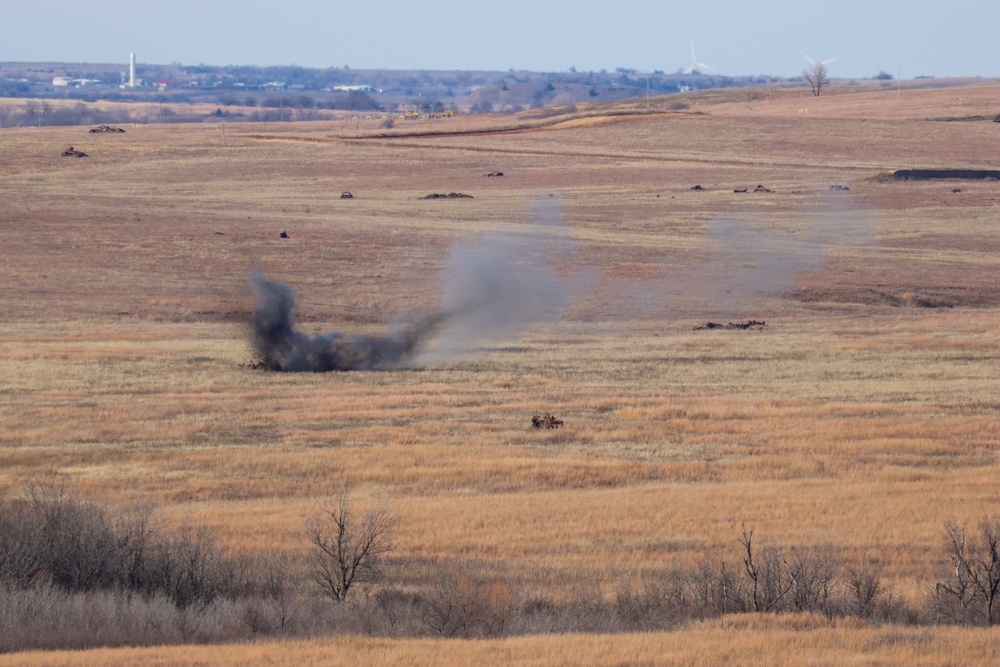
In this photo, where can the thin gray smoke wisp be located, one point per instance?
(742, 265)
(748, 261)
(498, 287)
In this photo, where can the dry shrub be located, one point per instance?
(583, 608)
(462, 604)
(56, 537)
(134, 582)
(46, 617)
(657, 603)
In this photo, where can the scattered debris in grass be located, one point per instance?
(749, 324)
(450, 195)
(106, 128)
(546, 421)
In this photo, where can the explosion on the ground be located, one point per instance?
(279, 347)
(497, 287)
(494, 289)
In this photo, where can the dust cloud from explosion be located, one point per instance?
(495, 289)
(499, 286)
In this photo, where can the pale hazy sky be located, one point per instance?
(956, 38)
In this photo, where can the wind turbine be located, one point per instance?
(816, 74)
(696, 66)
(813, 63)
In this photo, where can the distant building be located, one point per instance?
(363, 89)
(76, 83)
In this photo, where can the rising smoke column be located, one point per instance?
(499, 286)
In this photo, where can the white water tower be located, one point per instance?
(131, 70)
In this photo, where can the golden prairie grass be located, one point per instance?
(855, 418)
(731, 641)
(803, 451)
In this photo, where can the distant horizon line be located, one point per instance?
(619, 70)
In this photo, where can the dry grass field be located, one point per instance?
(864, 416)
(743, 642)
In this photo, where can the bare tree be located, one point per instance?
(974, 583)
(986, 573)
(864, 588)
(190, 567)
(816, 75)
(276, 586)
(136, 535)
(813, 573)
(769, 583)
(347, 551)
(266, 587)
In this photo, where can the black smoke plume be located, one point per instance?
(279, 347)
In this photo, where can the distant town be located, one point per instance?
(232, 84)
(301, 93)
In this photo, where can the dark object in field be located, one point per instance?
(346, 195)
(106, 128)
(957, 190)
(495, 173)
(761, 188)
(450, 195)
(749, 324)
(928, 174)
(697, 187)
(839, 187)
(283, 234)
(546, 421)
(72, 152)
(740, 190)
